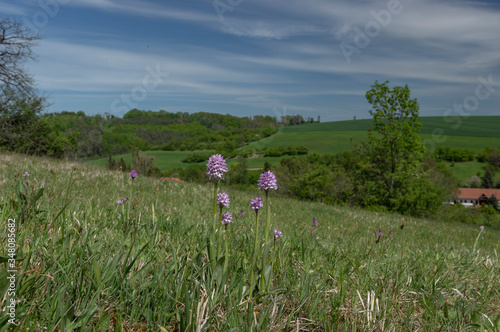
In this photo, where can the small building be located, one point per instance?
(476, 196)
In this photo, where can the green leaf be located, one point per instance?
(127, 269)
(37, 195)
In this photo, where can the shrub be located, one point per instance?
(144, 164)
(445, 153)
(285, 150)
(196, 158)
(473, 182)
(494, 159)
(267, 131)
(23, 127)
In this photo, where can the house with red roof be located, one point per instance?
(476, 196)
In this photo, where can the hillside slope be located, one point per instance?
(92, 263)
(475, 126)
(474, 133)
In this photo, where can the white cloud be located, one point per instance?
(147, 9)
(278, 52)
(11, 9)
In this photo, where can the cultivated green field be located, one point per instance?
(150, 264)
(478, 126)
(474, 133)
(335, 137)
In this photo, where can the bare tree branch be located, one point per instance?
(16, 43)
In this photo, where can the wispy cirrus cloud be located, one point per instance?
(11, 9)
(266, 53)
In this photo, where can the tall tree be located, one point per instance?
(390, 175)
(493, 201)
(16, 43)
(23, 127)
(493, 158)
(394, 148)
(487, 180)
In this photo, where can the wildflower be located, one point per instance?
(256, 204)
(242, 214)
(133, 174)
(26, 174)
(315, 224)
(277, 234)
(477, 238)
(390, 233)
(223, 200)
(378, 235)
(267, 181)
(124, 199)
(216, 167)
(119, 202)
(226, 218)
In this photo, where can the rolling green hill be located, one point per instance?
(476, 126)
(474, 133)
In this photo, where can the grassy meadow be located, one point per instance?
(154, 263)
(466, 170)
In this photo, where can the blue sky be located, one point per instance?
(249, 57)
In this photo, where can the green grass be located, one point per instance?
(89, 264)
(476, 126)
(315, 141)
(466, 170)
(339, 141)
(163, 159)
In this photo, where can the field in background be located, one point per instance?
(479, 126)
(163, 159)
(473, 133)
(172, 159)
(90, 263)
